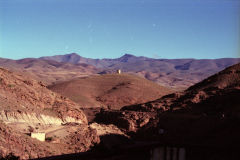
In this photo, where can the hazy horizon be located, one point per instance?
(121, 56)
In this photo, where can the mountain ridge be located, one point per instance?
(177, 74)
(48, 71)
(174, 73)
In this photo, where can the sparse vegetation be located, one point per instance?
(30, 129)
(11, 156)
(11, 85)
(49, 139)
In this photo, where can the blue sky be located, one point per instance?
(111, 28)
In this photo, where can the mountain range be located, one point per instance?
(177, 74)
(173, 73)
(48, 71)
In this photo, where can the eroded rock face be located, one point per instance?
(21, 94)
(34, 118)
(82, 139)
(129, 121)
(103, 129)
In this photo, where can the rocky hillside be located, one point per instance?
(204, 114)
(223, 86)
(78, 139)
(26, 106)
(22, 95)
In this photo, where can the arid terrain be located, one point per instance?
(110, 90)
(87, 110)
(27, 106)
(204, 114)
(48, 71)
(177, 74)
(119, 79)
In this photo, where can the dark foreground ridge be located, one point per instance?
(149, 151)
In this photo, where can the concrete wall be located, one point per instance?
(119, 71)
(168, 153)
(39, 136)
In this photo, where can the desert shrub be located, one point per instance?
(30, 129)
(49, 139)
(11, 85)
(11, 156)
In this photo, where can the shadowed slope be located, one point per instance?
(205, 114)
(223, 84)
(215, 98)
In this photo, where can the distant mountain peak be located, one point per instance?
(127, 55)
(73, 54)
